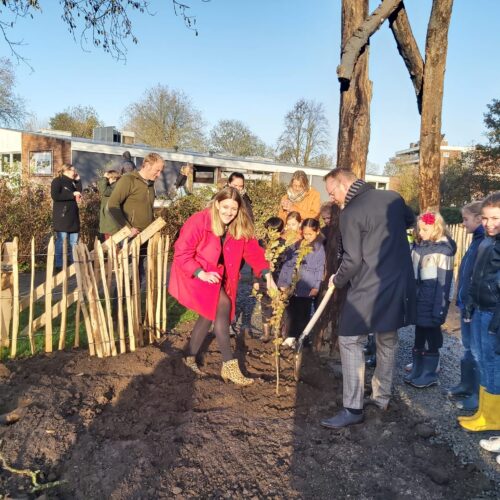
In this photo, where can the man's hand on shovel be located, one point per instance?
(310, 326)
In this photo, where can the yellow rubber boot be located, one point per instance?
(489, 420)
(465, 418)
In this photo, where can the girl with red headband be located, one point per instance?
(432, 254)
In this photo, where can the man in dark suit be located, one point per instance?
(377, 267)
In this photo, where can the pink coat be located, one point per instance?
(198, 247)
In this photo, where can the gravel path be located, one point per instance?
(434, 407)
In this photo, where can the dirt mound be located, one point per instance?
(142, 426)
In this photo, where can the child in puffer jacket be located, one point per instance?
(467, 391)
(310, 275)
(432, 254)
(483, 307)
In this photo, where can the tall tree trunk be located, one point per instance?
(355, 97)
(408, 49)
(436, 48)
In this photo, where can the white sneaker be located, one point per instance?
(492, 444)
(289, 342)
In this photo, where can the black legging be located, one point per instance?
(221, 329)
(431, 334)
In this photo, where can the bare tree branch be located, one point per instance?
(359, 39)
(408, 49)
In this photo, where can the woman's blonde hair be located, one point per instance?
(300, 175)
(439, 225)
(63, 168)
(474, 208)
(241, 226)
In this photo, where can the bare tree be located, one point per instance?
(166, 118)
(12, 110)
(427, 77)
(305, 137)
(234, 137)
(104, 24)
(79, 120)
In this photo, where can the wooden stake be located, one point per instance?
(100, 255)
(101, 317)
(149, 289)
(128, 299)
(81, 303)
(77, 325)
(87, 288)
(4, 332)
(164, 286)
(136, 291)
(32, 303)
(49, 280)
(119, 291)
(15, 297)
(64, 299)
(159, 287)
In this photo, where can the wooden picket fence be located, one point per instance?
(463, 240)
(107, 293)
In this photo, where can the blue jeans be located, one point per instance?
(489, 362)
(60, 237)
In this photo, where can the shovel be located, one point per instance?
(307, 331)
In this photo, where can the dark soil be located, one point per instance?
(142, 426)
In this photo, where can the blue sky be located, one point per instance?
(254, 59)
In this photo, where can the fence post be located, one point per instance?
(49, 280)
(32, 302)
(15, 296)
(64, 298)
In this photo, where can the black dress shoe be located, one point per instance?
(343, 418)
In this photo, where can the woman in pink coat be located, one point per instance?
(205, 272)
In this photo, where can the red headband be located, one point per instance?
(428, 218)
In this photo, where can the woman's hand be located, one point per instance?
(313, 292)
(211, 277)
(271, 285)
(286, 205)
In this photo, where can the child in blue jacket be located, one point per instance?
(483, 308)
(310, 275)
(432, 254)
(467, 391)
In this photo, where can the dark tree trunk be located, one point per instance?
(354, 45)
(408, 49)
(436, 48)
(355, 96)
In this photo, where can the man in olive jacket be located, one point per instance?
(131, 202)
(376, 266)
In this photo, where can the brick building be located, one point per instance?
(38, 155)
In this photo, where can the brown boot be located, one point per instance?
(231, 371)
(266, 337)
(190, 362)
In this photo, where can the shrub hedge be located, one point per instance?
(26, 212)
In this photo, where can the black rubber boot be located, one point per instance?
(467, 385)
(417, 365)
(371, 361)
(429, 376)
(370, 346)
(471, 402)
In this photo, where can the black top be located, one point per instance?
(65, 213)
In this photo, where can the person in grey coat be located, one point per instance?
(377, 267)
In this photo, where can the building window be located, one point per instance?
(446, 155)
(204, 175)
(10, 162)
(382, 185)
